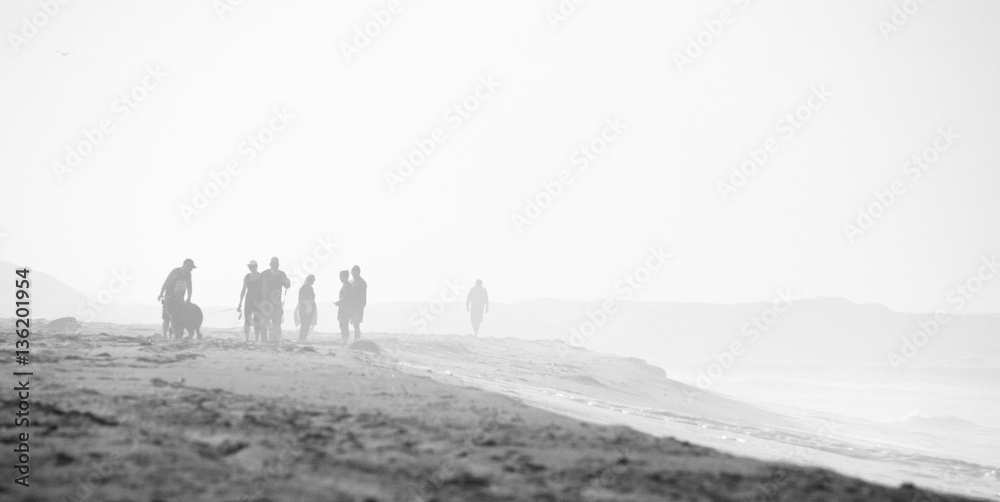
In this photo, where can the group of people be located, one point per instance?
(262, 304)
(262, 301)
(351, 302)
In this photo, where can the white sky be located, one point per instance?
(323, 175)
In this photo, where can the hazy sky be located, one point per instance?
(202, 85)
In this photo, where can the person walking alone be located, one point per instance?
(477, 303)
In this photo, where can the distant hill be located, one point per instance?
(50, 297)
(812, 331)
(820, 330)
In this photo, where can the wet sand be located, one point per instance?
(124, 415)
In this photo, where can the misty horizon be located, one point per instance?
(563, 249)
(771, 180)
(954, 300)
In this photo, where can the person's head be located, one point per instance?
(310, 279)
(188, 264)
(252, 265)
(356, 271)
(344, 276)
(479, 283)
(274, 263)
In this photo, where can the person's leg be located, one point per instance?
(307, 324)
(357, 323)
(258, 325)
(345, 332)
(276, 328)
(265, 325)
(247, 319)
(173, 315)
(267, 312)
(166, 318)
(477, 319)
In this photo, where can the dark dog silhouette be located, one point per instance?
(188, 319)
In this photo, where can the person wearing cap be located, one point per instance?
(272, 306)
(249, 304)
(173, 292)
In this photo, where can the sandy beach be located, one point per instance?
(731, 251)
(120, 414)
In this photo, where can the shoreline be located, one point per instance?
(217, 420)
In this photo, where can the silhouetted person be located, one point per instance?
(172, 295)
(307, 307)
(344, 306)
(272, 281)
(478, 302)
(359, 299)
(250, 298)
